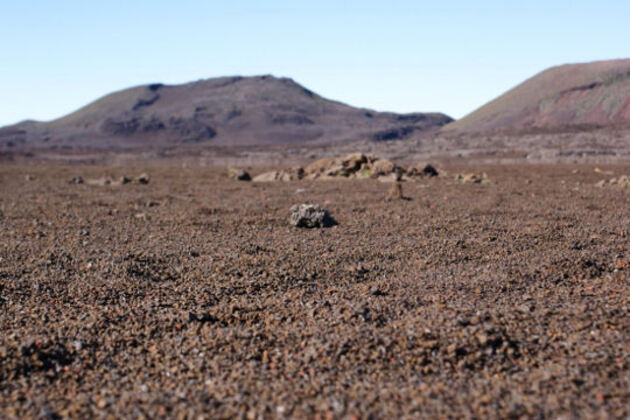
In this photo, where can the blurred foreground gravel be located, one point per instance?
(193, 296)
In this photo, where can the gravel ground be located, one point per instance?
(193, 296)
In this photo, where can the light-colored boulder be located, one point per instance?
(382, 167)
(291, 174)
(267, 176)
(310, 216)
(472, 178)
(320, 166)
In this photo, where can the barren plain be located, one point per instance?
(192, 296)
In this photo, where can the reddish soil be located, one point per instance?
(192, 295)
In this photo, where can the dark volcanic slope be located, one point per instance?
(589, 94)
(236, 111)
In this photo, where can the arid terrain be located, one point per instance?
(139, 278)
(192, 295)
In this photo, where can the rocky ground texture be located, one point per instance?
(193, 295)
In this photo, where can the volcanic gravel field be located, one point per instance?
(192, 296)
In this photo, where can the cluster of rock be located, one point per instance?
(140, 179)
(622, 181)
(353, 166)
(356, 165)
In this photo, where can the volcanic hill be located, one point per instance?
(585, 95)
(229, 111)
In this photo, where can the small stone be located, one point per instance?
(525, 308)
(429, 171)
(76, 180)
(472, 178)
(422, 170)
(78, 345)
(310, 216)
(482, 339)
(239, 174)
(142, 179)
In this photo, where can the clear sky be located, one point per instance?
(404, 56)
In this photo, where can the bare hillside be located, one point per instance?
(230, 111)
(586, 95)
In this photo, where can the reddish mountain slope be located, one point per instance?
(573, 95)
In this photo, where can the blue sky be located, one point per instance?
(403, 56)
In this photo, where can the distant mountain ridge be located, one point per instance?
(227, 111)
(595, 94)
